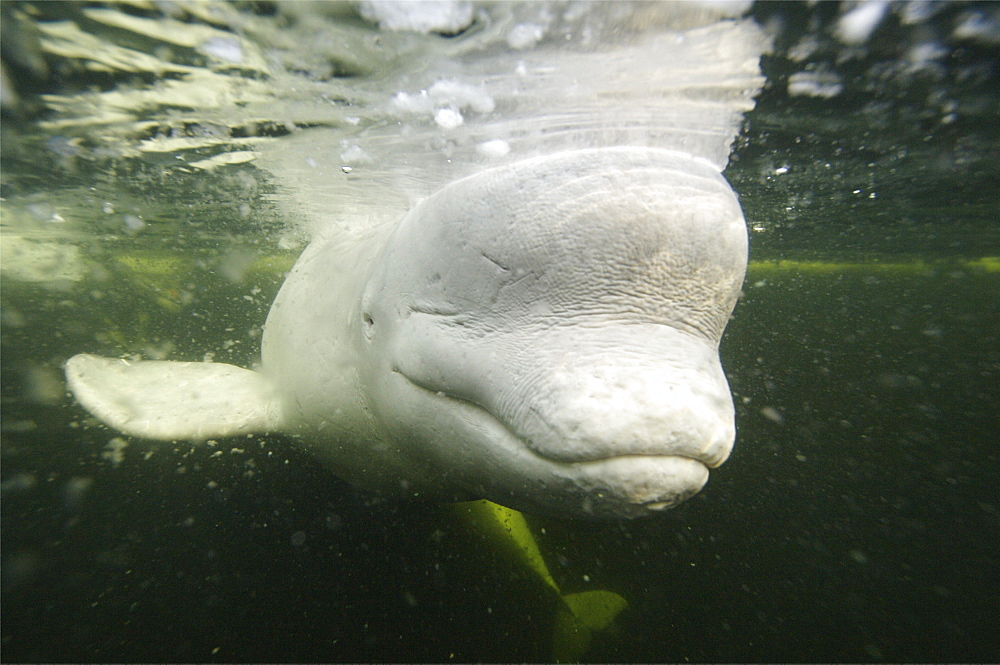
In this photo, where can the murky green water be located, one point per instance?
(856, 520)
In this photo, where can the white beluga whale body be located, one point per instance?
(542, 334)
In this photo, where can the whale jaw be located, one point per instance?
(598, 422)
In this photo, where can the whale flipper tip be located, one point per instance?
(173, 400)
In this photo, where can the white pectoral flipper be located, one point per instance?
(174, 400)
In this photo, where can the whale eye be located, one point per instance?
(369, 324)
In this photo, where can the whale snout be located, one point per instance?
(630, 405)
(640, 390)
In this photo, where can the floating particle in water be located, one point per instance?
(133, 223)
(160, 351)
(333, 521)
(114, 451)
(235, 264)
(19, 569)
(874, 653)
(11, 318)
(808, 45)
(298, 539)
(525, 35)
(823, 83)
(494, 148)
(448, 118)
(74, 492)
(43, 385)
(858, 24)
(894, 380)
(44, 212)
(773, 414)
(352, 153)
(19, 482)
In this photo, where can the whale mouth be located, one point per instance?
(579, 394)
(637, 456)
(503, 467)
(706, 459)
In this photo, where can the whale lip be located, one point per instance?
(705, 461)
(706, 458)
(634, 485)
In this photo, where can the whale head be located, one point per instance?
(546, 334)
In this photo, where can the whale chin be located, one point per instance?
(635, 485)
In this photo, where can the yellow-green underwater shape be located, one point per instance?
(579, 615)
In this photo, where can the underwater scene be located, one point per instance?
(166, 163)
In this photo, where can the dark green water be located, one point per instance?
(857, 519)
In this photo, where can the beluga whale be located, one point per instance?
(535, 317)
(543, 334)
